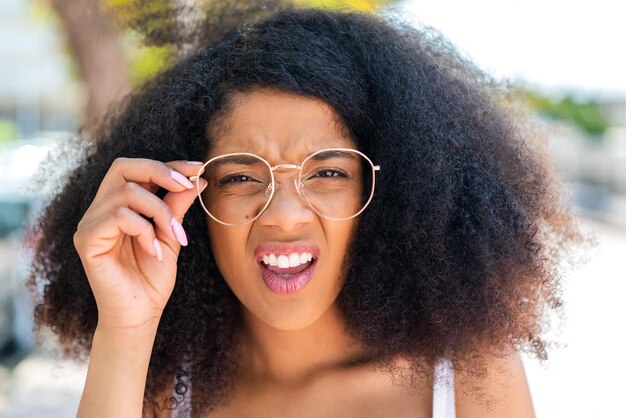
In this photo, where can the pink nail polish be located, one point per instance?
(179, 232)
(181, 179)
(204, 184)
(194, 162)
(157, 248)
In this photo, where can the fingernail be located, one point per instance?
(181, 179)
(194, 162)
(179, 232)
(203, 183)
(157, 248)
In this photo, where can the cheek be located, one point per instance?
(339, 237)
(228, 246)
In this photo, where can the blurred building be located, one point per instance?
(615, 111)
(594, 168)
(37, 91)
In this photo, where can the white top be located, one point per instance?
(443, 393)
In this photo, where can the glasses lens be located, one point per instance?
(337, 183)
(237, 189)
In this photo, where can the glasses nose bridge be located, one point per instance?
(285, 167)
(281, 168)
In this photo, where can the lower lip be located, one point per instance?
(287, 287)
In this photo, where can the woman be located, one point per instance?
(370, 219)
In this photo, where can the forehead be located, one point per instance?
(277, 126)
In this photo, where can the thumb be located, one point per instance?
(180, 202)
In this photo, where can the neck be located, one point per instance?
(294, 357)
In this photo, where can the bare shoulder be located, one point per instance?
(505, 390)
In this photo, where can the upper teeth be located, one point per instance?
(284, 261)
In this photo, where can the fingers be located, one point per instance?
(128, 188)
(179, 203)
(138, 199)
(101, 235)
(150, 174)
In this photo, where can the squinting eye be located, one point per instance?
(236, 178)
(328, 173)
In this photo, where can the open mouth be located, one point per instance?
(286, 267)
(287, 280)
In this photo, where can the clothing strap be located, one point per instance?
(443, 390)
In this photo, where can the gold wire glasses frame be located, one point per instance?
(297, 182)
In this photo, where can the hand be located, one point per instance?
(131, 265)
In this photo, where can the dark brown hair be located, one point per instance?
(456, 255)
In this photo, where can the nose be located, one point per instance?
(288, 209)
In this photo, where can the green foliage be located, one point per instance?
(147, 60)
(8, 130)
(587, 115)
(367, 6)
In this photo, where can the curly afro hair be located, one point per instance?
(456, 256)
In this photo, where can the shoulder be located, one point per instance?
(503, 393)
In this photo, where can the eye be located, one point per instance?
(236, 178)
(329, 173)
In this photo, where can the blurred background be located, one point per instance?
(63, 62)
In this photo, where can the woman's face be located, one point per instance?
(282, 128)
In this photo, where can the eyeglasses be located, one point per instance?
(336, 183)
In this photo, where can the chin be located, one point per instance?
(289, 315)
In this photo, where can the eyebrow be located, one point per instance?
(333, 154)
(249, 160)
(237, 159)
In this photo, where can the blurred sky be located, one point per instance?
(555, 45)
